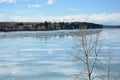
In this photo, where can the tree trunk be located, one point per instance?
(89, 76)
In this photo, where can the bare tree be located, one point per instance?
(108, 60)
(88, 49)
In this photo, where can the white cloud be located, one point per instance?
(7, 1)
(105, 17)
(95, 18)
(4, 18)
(50, 1)
(34, 6)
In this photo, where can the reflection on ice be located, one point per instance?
(54, 49)
(45, 35)
(47, 55)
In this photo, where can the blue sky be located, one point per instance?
(97, 11)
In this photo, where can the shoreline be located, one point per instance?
(46, 26)
(51, 26)
(52, 30)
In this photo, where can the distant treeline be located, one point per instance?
(42, 26)
(111, 26)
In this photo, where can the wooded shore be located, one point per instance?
(42, 26)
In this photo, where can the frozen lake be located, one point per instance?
(46, 55)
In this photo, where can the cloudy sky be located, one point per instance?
(97, 11)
